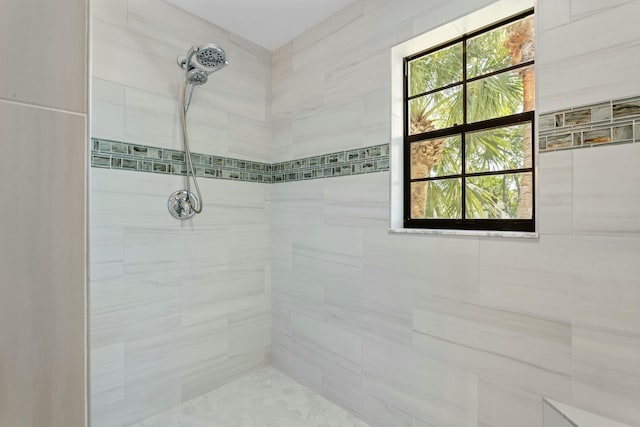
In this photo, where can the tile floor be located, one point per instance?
(266, 398)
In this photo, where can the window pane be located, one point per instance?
(500, 197)
(436, 157)
(501, 95)
(439, 110)
(436, 70)
(503, 47)
(499, 149)
(440, 199)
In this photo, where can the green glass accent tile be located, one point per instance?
(623, 133)
(138, 150)
(154, 153)
(547, 121)
(143, 158)
(383, 165)
(129, 164)
(577, 139)
(542, 143)
(104, 146)
(119, 148)
(601, 136)
(160, 167)
(577, 117)
(559, 141)
(101, 161)
(601, 113)
(217, 161)
(353, 155)
(626, 108)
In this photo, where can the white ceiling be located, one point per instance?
(269, 23)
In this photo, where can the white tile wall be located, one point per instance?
(402, 330)
(176, 308)
(456, 331)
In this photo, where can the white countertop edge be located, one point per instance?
(582, 418)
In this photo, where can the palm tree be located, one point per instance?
(496, 96)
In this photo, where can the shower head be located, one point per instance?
(206, 59)
(197, 77)
(198, 64)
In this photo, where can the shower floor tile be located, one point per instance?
(266, 398)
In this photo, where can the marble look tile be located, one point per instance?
(614, 181)
(172, 26)
(556, 70)
(335, 340)
(374, 411)
(112, 11)
(606, 377)
(579, 279)
(502, 406)
(422, 387)
(108, 111)
(55, 35)
(555, 194)
(421, 266)
(330, 128)
(296, 367)
(214, 373)
(533, 341)
(582, 8)
(248, 139)
(495, 367)
(107, 369)
(266, 397)
(553, 13)
(42, 255)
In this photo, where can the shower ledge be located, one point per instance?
(573, 417)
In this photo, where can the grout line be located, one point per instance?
(41, 107)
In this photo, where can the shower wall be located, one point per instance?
(176, 308)
(428, 330)
(43, 200)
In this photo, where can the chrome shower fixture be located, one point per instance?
(198, 64)
(207, 58)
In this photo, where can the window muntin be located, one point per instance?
(469, 131)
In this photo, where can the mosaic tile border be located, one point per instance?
(109, 154)
(611, 122)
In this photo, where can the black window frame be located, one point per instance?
(528, 117)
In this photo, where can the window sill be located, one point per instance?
(468, 233)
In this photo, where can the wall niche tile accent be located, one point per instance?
(142, 158)
(615, 121)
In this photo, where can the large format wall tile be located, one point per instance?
(607, 372)
(42, 259)
(44, 42)
(454, 330)
(607, 191)
(187, 302)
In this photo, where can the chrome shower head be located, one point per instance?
(207, 59)
(197, 77)
(211, 57)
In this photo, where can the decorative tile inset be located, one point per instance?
(604, 123)
(121, 155)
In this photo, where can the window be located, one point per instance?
(469, 131)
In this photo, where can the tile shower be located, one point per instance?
(291, 264)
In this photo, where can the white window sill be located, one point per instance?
(468, 233)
